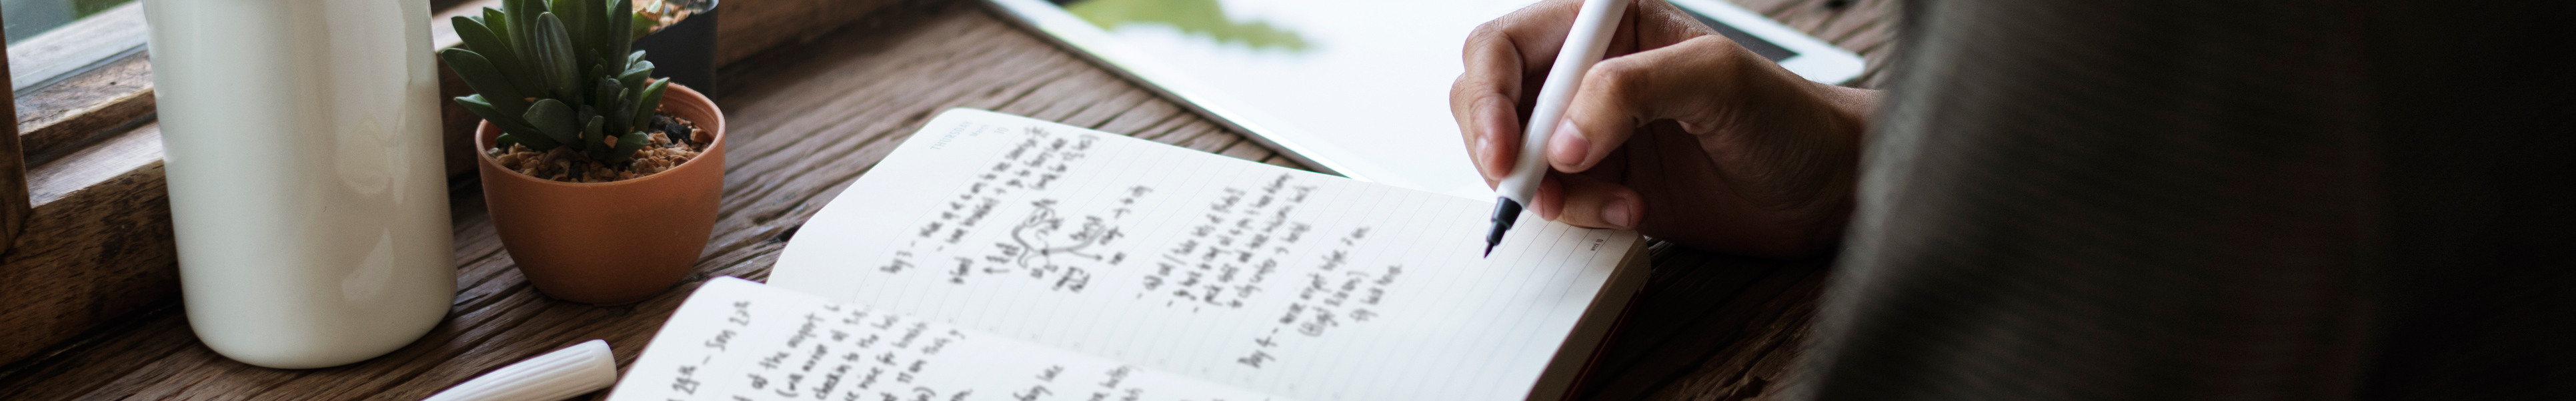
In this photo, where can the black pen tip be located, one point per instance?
(1506, 211)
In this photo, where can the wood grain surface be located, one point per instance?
(13, 173)
(99, 245)
(58, 118)
(809, 118)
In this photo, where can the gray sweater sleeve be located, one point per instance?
(2160, 200)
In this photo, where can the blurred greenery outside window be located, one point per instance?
(1204, 18)
(26, 18)
(53, 39)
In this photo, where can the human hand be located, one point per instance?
(1678, 132)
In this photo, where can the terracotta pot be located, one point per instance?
(611, 242)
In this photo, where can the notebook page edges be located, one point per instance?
(1582, 348)
(736, 340)
(1271, 279)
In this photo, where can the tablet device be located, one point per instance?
(1352, 87)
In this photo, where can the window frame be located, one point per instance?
(77, 46)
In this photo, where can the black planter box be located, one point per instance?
(685, 52)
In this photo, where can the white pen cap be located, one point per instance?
(575, 370)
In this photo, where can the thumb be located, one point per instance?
(1622, 93)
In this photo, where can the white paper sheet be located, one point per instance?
(1239, 273)
(737, 340)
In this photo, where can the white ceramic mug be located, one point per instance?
(306, 184)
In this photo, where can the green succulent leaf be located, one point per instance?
(523, 23)
(537, 143)
(627, 145)
(639, 27)
(556, 73)
(591, 134)
(590, 83)
(506, 122)
(484, 42)
(555, 58)
(486, 80)
(635, 75)
(610, 96)
(555, 120)
(613, 39)
(638, 64)
(596, 132)
(650, 101)
(576, 24)
(499, 23)
(589, 137)
(481, 108)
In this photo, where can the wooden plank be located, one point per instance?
(15, 207)
(13, 173)
(1861, 26)
(58, 118)
(749, 27)
(1760, 366)
(99, 244)
(804, 123)
(1687, 286)
(1737, 342)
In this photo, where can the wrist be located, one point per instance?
(1843, 120)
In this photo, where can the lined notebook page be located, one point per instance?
(1280, 281)
(737, 340)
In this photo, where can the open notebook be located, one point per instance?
(1000, 257)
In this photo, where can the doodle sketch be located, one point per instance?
(1054, 243)
(1042, 236)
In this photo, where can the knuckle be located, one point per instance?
(1459, 94)
(1487, 34)
(1489, 28)
(1719, 53)
(1467, 93)
(1467, 87)
(1719, 45)
(1617, 79)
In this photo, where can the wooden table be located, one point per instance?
(810, 118)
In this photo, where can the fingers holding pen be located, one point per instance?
(1585, 201)
(1499, 143)
(1501, 58)
(1483, 100)
(1507, 58)
(1679, 82)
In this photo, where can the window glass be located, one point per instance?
(26, 18)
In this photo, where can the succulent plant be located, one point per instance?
(555, 73)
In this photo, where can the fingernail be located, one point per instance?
(1618, 213)
(1571, 147)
